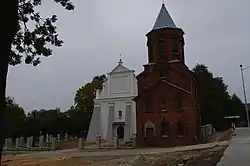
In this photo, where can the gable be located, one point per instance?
(164, 82)
(120, 68)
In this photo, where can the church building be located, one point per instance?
(114, 110)
(167, 111)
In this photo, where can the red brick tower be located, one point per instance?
(166, 106)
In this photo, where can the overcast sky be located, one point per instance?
(97, 31)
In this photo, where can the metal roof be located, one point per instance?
(164, 19)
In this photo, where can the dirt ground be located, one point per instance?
(208, 157)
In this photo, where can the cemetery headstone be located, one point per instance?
(58, 137)
(47, 137)
(41, 141)
(31, 141)
(9, 142)
(21, 141)
(28, 142)
(54, 143)
(6, 141)
(81, 143)
(50, 138)
(17, 142)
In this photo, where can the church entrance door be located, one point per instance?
(150, 136)
(120, 132)
(150, 133)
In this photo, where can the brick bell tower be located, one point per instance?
(167, 110)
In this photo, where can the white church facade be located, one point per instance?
(114, 111)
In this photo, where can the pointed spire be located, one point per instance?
(120, 61)
(164, 19)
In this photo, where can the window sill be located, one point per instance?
(174, 61)
(163, 110)
(180, 136)
(164, 136)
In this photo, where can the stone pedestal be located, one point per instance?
(98, 141)
(81, 143)
(17, 142)
(54, 143)
(115, 142)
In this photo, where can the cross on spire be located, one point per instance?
(120, 61)
(163, 2)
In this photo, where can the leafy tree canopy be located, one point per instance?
(32, 43)
(214, 99)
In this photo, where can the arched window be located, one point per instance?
(163, 104)
(120, 114)
(180, 128)
(161, 47)
(175, 49)
(149, 130)
(164, 127)
(150, 51)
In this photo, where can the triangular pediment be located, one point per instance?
(120, 68)
(164, 82)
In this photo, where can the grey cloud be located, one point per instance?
(217, 34)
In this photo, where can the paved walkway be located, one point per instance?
(238, 152)
(121, 152)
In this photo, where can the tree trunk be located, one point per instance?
(9, 21)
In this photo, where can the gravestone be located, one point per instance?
(41, 141)
(28, 142)
(47, 137)
(58, 138)
(81, 143)
(31, 141)
(9, 142)
(17, 142)
(50, 137)
(54, 143)
(21, 141)
(6, 141)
